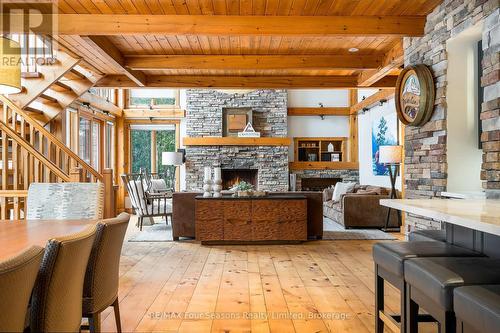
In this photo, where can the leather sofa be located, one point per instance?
(183, 214)
(360, 208)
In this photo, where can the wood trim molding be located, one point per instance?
(373, 99)
(237, 25)
(155, 113)
(323, 165)
(328, 111)
(235, 141)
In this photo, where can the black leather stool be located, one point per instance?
(427, 236)
(389, 266)
(431, 282)
(477, 308)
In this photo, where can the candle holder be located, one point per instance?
(217, 183)
(207, 187)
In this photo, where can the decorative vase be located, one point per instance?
(207, 182)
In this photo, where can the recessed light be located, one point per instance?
(353, 49)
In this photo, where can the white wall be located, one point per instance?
(312, 97)
(314, 126)
(366, 176)
(464, 156)
(182, 127)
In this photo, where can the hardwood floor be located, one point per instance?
(318, 286)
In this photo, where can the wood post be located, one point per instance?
(109, 194)
(76, 175)
(353, 128)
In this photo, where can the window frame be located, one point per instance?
(129, 105)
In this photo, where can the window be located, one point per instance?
(84, 139)
(90, 145)
(107, 94)
(109, 151)
(96, 139)
(147, 144)
(153, 98)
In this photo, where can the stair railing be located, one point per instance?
(45, 142)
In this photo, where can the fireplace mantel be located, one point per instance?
(235, 141)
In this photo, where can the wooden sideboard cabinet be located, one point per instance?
(268, 219)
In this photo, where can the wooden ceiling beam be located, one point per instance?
(285, 82)
(383, 94)
(257, 62)
(108, 50)
(325, 111)
(394, 58)
(235, 25)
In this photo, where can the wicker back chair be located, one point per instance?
(17, 278)
(101, 280)
(146, 204)
(65, 201)
(56, 302)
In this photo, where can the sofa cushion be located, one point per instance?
(367, 192)
(327, 194)
(341, 189)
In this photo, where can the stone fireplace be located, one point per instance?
(231, 177)
(204, 117)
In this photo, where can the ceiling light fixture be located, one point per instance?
(10, 70)
(353, 49)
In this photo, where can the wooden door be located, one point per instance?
(237, 219)
(209, 219)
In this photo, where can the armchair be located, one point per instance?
(147, 203)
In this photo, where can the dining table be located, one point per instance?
(19, 235)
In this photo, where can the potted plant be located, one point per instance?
(242, 189)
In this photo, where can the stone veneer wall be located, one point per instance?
(346, 175)
(425, 147)
(204, 118)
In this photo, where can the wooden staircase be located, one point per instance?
(30, 153)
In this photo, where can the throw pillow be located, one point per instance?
(341, 189)
(327, 194)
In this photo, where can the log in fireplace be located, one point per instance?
(231, 177)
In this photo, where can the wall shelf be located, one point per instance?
(323, 166)
(235, 141)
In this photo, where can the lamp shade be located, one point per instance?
(171, 158)
(10, 67)
(390, 154)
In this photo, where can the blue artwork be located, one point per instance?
(384, 133)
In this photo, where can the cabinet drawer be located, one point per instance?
(209, 220)
(237, 220)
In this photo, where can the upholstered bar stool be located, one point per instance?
(431, 282)
(389, 266)
(427, 235)
(477, 308)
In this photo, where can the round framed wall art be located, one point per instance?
(415, 94)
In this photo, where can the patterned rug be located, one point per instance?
(334, 231)
(158, 232)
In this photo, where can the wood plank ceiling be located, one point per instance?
(291, 55)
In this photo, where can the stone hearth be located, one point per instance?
(204, 118)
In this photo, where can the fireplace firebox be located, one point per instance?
(231, 177)
(318, 184)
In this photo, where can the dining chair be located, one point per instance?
(17, 278)
(56, 302)
(146, 204)
(101, 279)
(65, 201)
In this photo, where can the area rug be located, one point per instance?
(334, 231)
(158, 232)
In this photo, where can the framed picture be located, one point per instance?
(415, 94)
(384, 133)
(235, 120)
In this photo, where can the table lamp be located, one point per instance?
(391, 156)
(172, 158)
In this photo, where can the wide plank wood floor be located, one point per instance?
(320, 286)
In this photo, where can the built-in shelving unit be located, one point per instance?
(314, 154)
